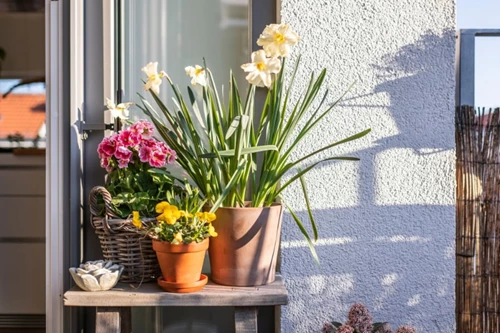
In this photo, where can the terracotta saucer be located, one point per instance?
(183, 287)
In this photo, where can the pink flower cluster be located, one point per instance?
(134, 143)
(360, 321)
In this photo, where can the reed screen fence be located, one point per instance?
(478, 220)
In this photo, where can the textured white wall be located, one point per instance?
(386, 222)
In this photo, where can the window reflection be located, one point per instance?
(176, 34)
(22, 114)
(183, 33)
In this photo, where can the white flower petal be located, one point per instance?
(151, 69)
(109, 104)
(154, 78)
(267, 79)
(274, 37)
(124, 105)
(201, 80)
(273, 65)
(262, 69)
(249, 67)
(292, 37)
(148, 85)
(119, 114)
(259, 56)
(254, 78)
(197, 74)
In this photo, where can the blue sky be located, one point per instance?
(475, 14)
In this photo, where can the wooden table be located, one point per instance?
(113, 307)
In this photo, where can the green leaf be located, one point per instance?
(304, 171)
(306, 235)
(351, 138)
(243, 119)
(159, 171)
(248, 150)
(228, 187)
(308, 205)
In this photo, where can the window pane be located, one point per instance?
(176, 34)
(22, 113)
(487, 72)
(180, 33)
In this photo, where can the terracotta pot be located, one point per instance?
(246, 250)
(180, 263)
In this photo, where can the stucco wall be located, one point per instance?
(386, 222)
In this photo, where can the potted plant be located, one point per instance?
(136, 180)
(359, 320)
(238, 155)
(180, 239)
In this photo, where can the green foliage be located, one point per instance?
(182, 220)
(234, 153)
(139, 188)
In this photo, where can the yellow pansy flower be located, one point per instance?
(186, 214)
(211, 231)
(136, 220)
(170, 214)
(205, 216)
(160, 207)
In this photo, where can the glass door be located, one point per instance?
(177, 34)
(180, 33)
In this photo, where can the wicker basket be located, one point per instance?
(120, 241)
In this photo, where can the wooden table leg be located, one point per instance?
(113, 320)
(245, 319)
(277, 318)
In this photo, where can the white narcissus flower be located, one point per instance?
(197, 74)
(276, 39)
(120, 110)
(261, 69)
(154, 78)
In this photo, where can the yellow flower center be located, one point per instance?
(279, 38)
(198, 71)
(153, 77)
(260, 66)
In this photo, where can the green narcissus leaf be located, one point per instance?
(159, 171)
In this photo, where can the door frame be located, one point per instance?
(64, 103)
(76, 60)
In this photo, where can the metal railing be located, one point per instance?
(466, 46)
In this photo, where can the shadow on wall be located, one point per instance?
(394, 250)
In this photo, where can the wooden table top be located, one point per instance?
(150, 294)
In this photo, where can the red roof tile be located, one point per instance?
(22, 113)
